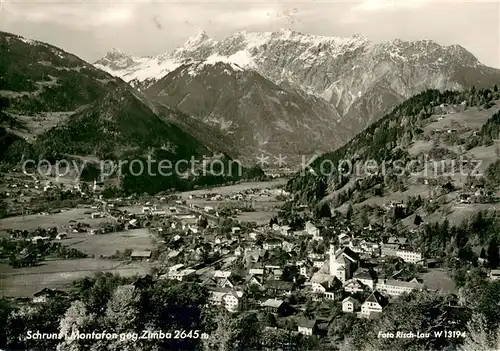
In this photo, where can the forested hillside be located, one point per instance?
(389, 139)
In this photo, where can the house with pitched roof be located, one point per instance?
(278, 287)
(307, 326)
(354, 286)
(374, 305)
(329, 290)
(366, 278)
(277, 306)
(350, 305)
(397, 287)
(226, 297)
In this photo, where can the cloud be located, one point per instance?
(79, 15)
(100, 13)
(388, 5)
(364, 10)
(149, 27)
(113, 15)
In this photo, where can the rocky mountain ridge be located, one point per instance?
(253, 112)
(360, 78)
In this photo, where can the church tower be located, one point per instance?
(332, 265)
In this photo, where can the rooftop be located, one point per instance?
(141, 253)
(273, 303)
(350, 299)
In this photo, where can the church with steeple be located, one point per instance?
(343, 262)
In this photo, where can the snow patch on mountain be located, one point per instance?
(244, 49)
(357, 77)
(28, 41)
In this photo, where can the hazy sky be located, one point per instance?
(89, 28)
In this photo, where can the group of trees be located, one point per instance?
(493, 174)
(25, 253)
(115, 304)
(120, 305)
(380, 141)
(444, 240)
(489, 133)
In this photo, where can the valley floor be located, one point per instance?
(59, 274)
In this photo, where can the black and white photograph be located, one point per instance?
(250, 175)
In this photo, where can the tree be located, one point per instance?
(424, 311)
(418, 220)
(50, 314)
(241, 333)
(309, 309)
(95, 292)
(272, 221)
(76, 320)
(482, 254)
(364, 221)
(173, 305)
(341, 326)
(493, 253)
(122, 316)
(5, 310)
(323, 211)
(18, 323)
(350, 212)
(122, 312)
(203, 222)
(224, 337)
(274, 339)
(479, 337)
(290, 273)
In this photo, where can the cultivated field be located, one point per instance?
(484, 154)
(258, 203)
(59, 274)
(260, 217)
(59, 220)
(460, 212)
(472, 118)
(439, 279)
(227, 190)
(35, 126)
(107, 244)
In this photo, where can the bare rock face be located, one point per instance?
(357, 79)
(253, 112)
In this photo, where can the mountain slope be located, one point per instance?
(254, 113)
(430, 142)
(38, 77)
(208, 135)
(91, 113)
(104, 114)
(119, 124)
(361, 79)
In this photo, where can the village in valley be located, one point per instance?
(279, 182)
(312, 263)
(231, 240)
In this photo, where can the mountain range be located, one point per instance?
(254, 113)
(53, 105)
(89, 109)
(272, 93)
(342, 84)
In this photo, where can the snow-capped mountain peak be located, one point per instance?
(115, 60)
(197, 39)
(340, 70)
(245, 49)
(116, 54)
